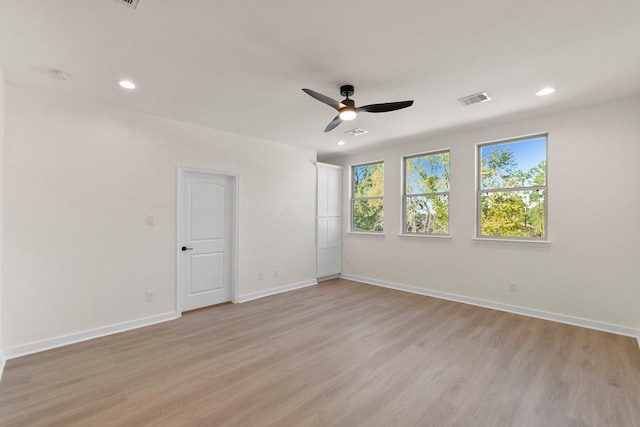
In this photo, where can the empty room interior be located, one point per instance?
(285, 213)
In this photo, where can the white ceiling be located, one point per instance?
(240, 65)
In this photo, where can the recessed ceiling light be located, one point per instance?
(546, 91)
(340, 142)
(127, 84)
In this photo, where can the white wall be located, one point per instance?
(80, 180)
(591, 268)
(2, 103)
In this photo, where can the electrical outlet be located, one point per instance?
(275, 274)
(260, 275)
(513, 287)
(151, 296)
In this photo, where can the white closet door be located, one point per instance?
(323, 247)
(329, 189)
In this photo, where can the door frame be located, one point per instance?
(233, 253)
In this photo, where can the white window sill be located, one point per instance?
(426, 236)
(516, 241)
(366, 233)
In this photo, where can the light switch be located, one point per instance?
(150, 221)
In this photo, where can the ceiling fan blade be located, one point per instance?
(334, 123)
(383, 108)
(322, 98)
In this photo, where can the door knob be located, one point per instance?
(184, 248)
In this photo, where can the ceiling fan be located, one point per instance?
(347, 109)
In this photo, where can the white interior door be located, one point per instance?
(206, 239)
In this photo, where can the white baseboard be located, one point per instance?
(26, 349)
(278, 290)
(561, 318)
(331, 276)
(23, 350)
(3, 362)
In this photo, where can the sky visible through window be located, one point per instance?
(528, 153)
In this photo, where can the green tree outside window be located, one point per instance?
(368, 195)
(426, 198)
(512, 190)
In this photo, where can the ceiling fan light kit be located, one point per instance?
(347, 113)
(347, 109)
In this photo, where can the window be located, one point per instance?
(426, 193)
(512, 189)
(367, 190)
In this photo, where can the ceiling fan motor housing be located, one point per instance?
(349, 103)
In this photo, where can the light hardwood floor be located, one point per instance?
(337, 354)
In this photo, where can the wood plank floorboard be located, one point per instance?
(337, 354)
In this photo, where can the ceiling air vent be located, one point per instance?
(476, 98)
(131, 3)
(356, 132)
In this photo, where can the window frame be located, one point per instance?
(405, 196)
(353, 198)
(480, 190)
